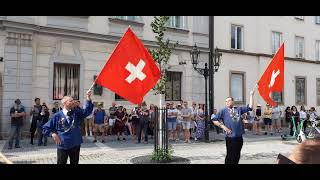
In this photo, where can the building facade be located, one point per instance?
(248, 44)
(51, 56)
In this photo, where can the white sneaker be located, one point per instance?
(196, 139)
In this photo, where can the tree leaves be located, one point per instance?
(162, 54)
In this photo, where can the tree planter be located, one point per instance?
(147, 160)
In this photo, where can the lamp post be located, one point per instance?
(195, 54)
(214, 63)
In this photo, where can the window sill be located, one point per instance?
(280, 103)
(200, 34)
(178, 30)
(301, 104)
(84, 17)
(299, 19)
(129, 22)
(173, 100)
(237, 50)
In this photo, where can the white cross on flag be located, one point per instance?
(130, 71)
(135, 71)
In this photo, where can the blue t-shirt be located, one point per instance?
(17, 121)
(231, 118)
(99, 116)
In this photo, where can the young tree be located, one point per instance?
(161, 55)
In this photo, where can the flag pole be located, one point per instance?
(92, 85)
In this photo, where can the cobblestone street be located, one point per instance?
(256, 150)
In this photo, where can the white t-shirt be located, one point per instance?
(213, 116)
(174, 110)
(276, 112)
(303, 115)
(179, 118)
(186, 111)
(251, 116)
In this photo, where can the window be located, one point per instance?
(173, 86)
(177, 22)
(276, 41)
(118, 98)
(299, 17)
(66, 80)
(97, 89)
(237, 91)
(317, 19)
(299, 47)
(277, 97)
(300, 90)
(236, 37)
(130, 18)
(318, 91)
(318, 50)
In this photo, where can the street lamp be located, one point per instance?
(195, 54)
(217, 60)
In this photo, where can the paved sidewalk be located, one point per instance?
(261, 149)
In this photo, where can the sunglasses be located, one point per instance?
(284, 160)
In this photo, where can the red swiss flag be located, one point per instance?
(130, 71)
(273, 77)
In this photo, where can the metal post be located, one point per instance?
(166, 130)
(206, 132)
(213, 70)
(156, 129)
(160, 122)
(210, 73)
(211, 61)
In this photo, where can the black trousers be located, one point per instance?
(291, 127)
(234, 146)
(72, 153)
(305, 125)
(142, 127)
(217, 129)
(33, 129)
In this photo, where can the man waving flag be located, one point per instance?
(130, 71)
(273, 78)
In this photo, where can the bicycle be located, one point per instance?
(314, 128)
